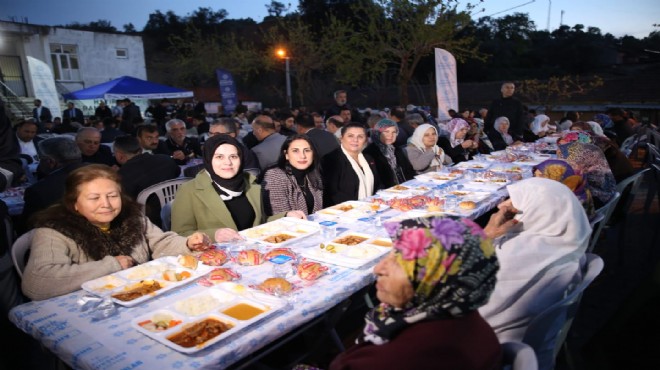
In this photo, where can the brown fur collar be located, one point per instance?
(126, 232)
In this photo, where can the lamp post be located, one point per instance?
(282, 54)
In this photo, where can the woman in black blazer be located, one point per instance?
(392, 163)
(457, 146)
(347, 173)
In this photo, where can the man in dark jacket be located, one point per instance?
(509, 107)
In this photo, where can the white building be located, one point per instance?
(77, 59)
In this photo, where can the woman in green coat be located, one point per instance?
(221, 200)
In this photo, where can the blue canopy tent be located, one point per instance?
(128, 87)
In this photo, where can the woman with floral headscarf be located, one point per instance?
(430, 286)
(539, 258)
(457, 146)
(392, 163)
(559, 170)
(589, 161)
(616, 159)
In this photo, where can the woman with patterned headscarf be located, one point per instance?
(457, 146)
(539, 258)
(559, 170)
(576, 148)
(430, 286)
(616, 159)
(392, 163)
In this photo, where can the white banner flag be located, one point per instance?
(43, 84)
(445, 83)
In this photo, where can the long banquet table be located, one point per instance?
(83, 342)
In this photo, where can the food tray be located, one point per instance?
(352, 256)
(438, 178)
(493, 183)
(125, 280)
(237, 308)
(472, 165)
(354, 209)
(465, 194)
(289, 228)
(404, 204)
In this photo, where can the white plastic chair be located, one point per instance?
(602, 215)
(19, 251)
(518, 356)
(547, 331)
(165, 192)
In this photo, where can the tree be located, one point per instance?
(129, 28)
(101, 25)
(556, 89)
(196, 57)
(403, 32)
(276, 8)
(306, 53)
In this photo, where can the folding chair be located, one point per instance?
(547, 331)
(654, 184)
(629, 187)
(600, 220)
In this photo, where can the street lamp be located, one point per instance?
(281, 53)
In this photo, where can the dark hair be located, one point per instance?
(352, 125)
(62, 149)
(128, 144)
(305, 121)
(145, 128)
(315, 170)
(22, 123)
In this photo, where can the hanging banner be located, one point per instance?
(446, 85)
(227, 90)
(43, 84)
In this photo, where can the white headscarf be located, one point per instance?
(417, 138)
(540, 258)
(596, 128)
(540, 124)
(508, 140)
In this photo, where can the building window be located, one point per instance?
(121, 53)
(65, 62)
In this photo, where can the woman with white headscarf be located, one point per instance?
(457, 146)
(540, 257)
(423, 152)
(500, 137)
(540, 125)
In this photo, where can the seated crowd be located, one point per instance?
(248, 170)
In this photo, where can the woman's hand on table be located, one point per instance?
(467, 144)
(125, 261)
(226, 234)
(198, 242)
(502, 221)
(296, 214)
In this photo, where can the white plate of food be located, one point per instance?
(137, 284)
(206, 316)
(281, 232)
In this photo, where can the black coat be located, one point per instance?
(77, 115)
(45, 116)
(340, 182)
(324, 141)
(45, 193)
(458, 153)
(102, 156)
(144, 170)
(510, 108)
(386, 174)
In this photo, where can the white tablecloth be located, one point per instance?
(112, 343)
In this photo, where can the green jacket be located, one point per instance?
(197, 207)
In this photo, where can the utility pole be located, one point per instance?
(561, 20)
(549, 9)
